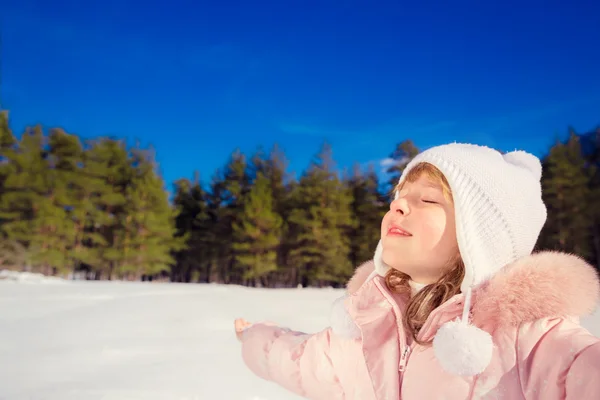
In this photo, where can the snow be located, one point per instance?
(27, 277)
(140, 340)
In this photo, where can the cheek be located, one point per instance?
(384, 222)
(434, 226)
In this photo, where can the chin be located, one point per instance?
(394, 263)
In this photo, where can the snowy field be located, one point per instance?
(85, 340)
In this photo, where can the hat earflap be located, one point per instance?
(381, 267)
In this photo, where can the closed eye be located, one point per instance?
(430, 201)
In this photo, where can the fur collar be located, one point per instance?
(541, 285)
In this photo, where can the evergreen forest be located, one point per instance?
(99, 209)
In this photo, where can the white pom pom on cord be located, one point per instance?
(463, 349)
(341, 321)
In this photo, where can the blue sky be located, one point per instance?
(361, 75)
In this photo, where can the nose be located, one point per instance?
(400, 205)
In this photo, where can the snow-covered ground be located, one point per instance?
(130, 341)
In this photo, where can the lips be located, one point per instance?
(396, 230)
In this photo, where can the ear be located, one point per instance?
(360, 276)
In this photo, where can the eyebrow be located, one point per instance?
(427, 185)
(430, 184)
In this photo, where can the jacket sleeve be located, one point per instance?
(557, 358)
(299, 362)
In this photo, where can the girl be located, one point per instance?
(454, 304)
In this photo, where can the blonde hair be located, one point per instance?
(420, 306)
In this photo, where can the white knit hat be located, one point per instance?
(499, 215)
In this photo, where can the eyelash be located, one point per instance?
(430, 201)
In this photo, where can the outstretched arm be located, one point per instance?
(299, 362)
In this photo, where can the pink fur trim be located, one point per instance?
(360, 276)
(541, 285)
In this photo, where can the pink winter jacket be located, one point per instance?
(530, 308)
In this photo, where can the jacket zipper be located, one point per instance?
(404, 359)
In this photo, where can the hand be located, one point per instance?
(240, 324)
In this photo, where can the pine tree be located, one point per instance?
(26, 206)
(108, 174)
(7, 140)
(320, 225)
(566, 194)
(65, 179)
(8, 151)
(368, 210)
(192, 263)
(148, 237)
(13, 255)
(401, 156)
(257, 233)
(89, 189)
(216, 232)
(593, 157)
(274, 169)
(228, 191)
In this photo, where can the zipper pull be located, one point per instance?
(404, 359)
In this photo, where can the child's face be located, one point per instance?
(428, 243)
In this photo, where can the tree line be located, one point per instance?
(68, 206)
(99, 208)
